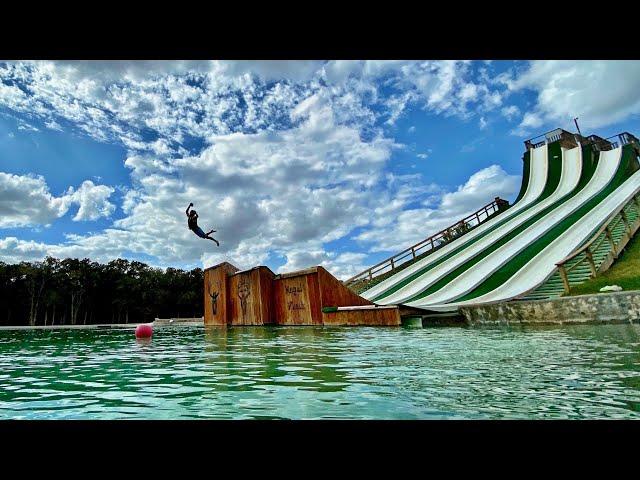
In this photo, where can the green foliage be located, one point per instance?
(73, 292)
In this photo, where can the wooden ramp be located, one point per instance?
(307, 297)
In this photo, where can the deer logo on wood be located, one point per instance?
(243, 293)
(214, 302)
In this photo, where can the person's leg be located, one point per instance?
(198, 231)
(211, 238)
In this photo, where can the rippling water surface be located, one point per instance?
(300, 373)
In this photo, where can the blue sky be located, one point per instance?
(295, 163)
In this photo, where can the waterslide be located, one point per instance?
(536, 170)
(538, 269)
(516, 251)
(570, 162)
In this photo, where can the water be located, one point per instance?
(309, 373)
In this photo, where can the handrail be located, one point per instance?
(447, 234)
(545, 134)
(614, 141)
(549, 137)
(624, 138)
(600, 231)
(604, 233)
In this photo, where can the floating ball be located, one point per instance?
(144, 331)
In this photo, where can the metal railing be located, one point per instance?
(597, 142)
(548, 137)
(622, 139)
(431, 243)
(585, 254)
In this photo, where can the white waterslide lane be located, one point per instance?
(538, 170)
(463, 284)
(542, 265)
(569, 176)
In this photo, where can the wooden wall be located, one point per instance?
(259, 297)
(250, 297)
(373, 316)
(333, 293)
(297, 299)
(216, 292)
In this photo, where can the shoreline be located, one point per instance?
(594, 308)
(158, 322)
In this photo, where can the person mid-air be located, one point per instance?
(193, 225)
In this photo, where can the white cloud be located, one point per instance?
(115, 101)
(342, 266)
(510, 112)
(407, 226)
(93, 201)
(266, 193)
(14, 250)
(53, 125)
(481, 188)
(468, 92)
(531, 120)
(442, 87)
(295, 70)
(26, 201)
(600, 92)
(289, 154)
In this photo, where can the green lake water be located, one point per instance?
(310, 373)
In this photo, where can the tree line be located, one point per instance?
(82, 292)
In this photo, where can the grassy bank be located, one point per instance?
(624, 272)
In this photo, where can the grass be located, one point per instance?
(624, 272)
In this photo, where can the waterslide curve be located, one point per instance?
(605, 171)
(538, 269)
(571, 171)
(537, 179)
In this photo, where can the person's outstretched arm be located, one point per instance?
(187, 212)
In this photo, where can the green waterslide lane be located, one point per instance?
(587, 172)
(510, 268)
(526, 160)
(553, 178)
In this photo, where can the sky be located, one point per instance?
(294, 163)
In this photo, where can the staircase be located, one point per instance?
(595, 256)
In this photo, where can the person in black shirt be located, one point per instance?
(193, 225)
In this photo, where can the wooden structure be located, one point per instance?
(604, 247)
(306, 297)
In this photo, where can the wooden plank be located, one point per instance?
(216, 301)
(365, 307)
(315, 304)
(565, 279)
(250, 297)
(379, 317)
(297, 273)
(266, 296)
(291, 300)
(334, 294)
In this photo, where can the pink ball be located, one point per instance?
(144, 331)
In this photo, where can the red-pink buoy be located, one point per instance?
(144, 331)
